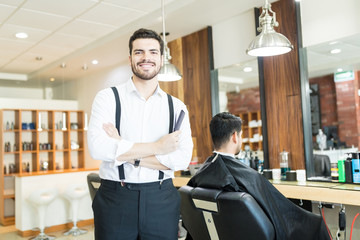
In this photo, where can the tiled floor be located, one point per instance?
(10, 233)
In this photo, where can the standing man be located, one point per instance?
(137, 199)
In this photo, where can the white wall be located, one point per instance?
(21, 92)
(45, 104)
(231, 38)
(329, 20)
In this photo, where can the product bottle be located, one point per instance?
(341, 169)
(284, 164)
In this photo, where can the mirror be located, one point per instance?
(334, 68)
(239, 94)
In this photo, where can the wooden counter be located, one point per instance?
(316, 191)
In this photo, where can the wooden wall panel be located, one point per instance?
(192, 56)
(196, 65)
(283, 94)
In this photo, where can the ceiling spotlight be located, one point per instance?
(335, 51)
(332, 43)
(63, 65)
(52, 79)
(21, 35)
(85, 67)
(339, 70)
(247, 69)
(94, 61)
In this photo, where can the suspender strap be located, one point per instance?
(171, 126)
(171, 111)
(118, 109)
(117, 123)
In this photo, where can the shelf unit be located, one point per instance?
(37, 142)
(252, 130)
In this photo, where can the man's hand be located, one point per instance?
(168, 143)
(111, 131)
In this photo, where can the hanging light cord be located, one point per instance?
(163, 22)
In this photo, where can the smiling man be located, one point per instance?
(136, 199)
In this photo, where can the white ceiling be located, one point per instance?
(75, 32)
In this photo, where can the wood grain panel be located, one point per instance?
(192, 55)
(283, 94)
(196, 65)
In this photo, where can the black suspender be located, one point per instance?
(118, 109)
(117, 122)
(171, 111)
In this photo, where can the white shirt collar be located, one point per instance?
(130, 87)
(225, 154)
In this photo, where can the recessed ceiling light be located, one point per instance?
(21, 35)
(247, 69)
(332, 43)
(94, 61)
(52, 79)
(336, 50)
(339, 70)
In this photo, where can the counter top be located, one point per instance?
(29, 174)
(330, 192)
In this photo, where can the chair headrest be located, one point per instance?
(205, 194)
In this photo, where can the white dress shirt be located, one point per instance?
(141, 121)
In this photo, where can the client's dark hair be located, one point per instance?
(222, 126)
(146, 33)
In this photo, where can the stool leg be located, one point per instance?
(75, 231)
(41, 210)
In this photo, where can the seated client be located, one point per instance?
(223, 171)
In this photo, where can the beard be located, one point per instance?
(144, 75)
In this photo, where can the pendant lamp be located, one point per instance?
(168, 71)
(268, 42)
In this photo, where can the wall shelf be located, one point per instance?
(252, 130)
(36, 135)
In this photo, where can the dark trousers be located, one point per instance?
(148, 211)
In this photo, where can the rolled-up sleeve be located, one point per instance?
(180, 159)
(101, 146)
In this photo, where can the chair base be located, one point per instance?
(75, 231)
(42, 236)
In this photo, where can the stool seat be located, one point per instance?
(40, 199)
(74, 194)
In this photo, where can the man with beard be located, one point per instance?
(223, 171)
(136, 199)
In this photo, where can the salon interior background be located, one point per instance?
(63, 41)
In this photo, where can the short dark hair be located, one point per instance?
(146, 33)
(222, 126)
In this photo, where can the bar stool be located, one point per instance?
(41, 199)
(74, 193)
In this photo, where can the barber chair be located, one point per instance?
(322, 165)
(216, 214)
(94, 181)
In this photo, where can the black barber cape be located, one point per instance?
(290, 221)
